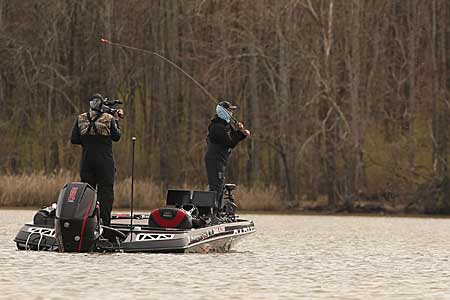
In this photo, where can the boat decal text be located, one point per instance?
(244, 230)
(153, 237)
(44, 231)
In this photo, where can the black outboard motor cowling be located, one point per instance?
(77, 225)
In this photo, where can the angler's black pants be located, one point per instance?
(98, 170)
(215, 170)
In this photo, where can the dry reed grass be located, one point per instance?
(34, 190)
(147, 194)
(258, 198)
(39, 190)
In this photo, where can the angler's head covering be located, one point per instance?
(95, 102)
(227, 105)
(223, 113)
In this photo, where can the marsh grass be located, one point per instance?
(34, 190)
(258, 198)
(39, 189)
(147, 194)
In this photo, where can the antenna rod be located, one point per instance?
(133, 139)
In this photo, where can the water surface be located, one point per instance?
(289, 257)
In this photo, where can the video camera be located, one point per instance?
(111, 106)
(106, 105)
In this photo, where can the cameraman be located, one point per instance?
(95, 131)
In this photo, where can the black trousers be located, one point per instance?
(99, 171)
(215, 170)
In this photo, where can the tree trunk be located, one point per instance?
(412, 60)
(253, 119)
(355, 83)
(108, 16)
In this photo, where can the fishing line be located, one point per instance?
(166, 60)
(108, 42)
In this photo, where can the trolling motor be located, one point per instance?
(77, 222)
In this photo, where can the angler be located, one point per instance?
(223, 135)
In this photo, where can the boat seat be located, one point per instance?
(178, 198)
(230, 187)
(205, 202)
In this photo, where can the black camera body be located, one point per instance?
(105, 105)
(111, 106)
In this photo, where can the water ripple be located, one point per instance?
(290, 257)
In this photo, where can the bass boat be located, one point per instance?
(191, 221)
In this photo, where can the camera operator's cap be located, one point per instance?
(96, 96)
(227, 105)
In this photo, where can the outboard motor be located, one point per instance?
(77, 225)
(170, 217)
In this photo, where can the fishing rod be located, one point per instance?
(211, 97)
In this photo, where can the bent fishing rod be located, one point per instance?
(211, 97)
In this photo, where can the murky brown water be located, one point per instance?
(290, 257)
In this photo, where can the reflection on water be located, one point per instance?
(290, 257)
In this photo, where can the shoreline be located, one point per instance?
(324, 213)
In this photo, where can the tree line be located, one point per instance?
(345, 99)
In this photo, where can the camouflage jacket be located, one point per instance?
(96, 134)
(101, 126)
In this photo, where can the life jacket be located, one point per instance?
(95, 123)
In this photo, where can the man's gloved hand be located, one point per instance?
(241, 128)
(119, 114)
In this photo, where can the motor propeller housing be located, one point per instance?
(77, 226)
